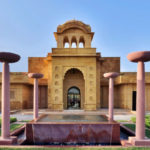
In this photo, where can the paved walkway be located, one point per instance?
(119, 114)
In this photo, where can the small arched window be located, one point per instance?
(66, 42)
(81, 45)
(73, 42)
(66, 45)
(81, 42)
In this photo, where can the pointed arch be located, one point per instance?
(74, 42)
(81, 42)
(66, 42)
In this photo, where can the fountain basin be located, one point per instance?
(48, 130)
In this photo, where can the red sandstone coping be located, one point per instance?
(35, 75)
(139, 56)
(111, 74)
(9, 57)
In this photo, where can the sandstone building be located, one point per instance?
(73, 76)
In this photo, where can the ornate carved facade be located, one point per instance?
(73, 75)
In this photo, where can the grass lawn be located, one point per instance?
(147, 120)
(132, 127)
(24, 120)
(73, 148)
(12, 119)
(122, 120)
(14, 127)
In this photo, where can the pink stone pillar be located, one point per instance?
(140, 57)
(111, 76)
(140, 107)
(5, 129)
(36, 76)
(36, 99)
(111, 98)
(6, 58)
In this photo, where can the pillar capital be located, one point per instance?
(35, 75)
(9, 57)
(111, 75)
(138, 56)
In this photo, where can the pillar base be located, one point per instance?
(10, 141)
(135, 142)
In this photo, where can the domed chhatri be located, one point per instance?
(35, 75)
(111, 74)
(139, 56)
(9, 57)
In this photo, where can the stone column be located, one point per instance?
(36, 100)
(6, 58)
(36, 76)
(111, 98)
(111, 76)
(5, 102)
(140, 57)
(77, 42)
(140, 115)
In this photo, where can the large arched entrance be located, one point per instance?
(73, 98)
(73, 89)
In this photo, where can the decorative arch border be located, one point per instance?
(81, 69)
(67, 27)
(74, 87)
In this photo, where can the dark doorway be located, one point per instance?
(73, 98)
(134, 100)
(43, 102)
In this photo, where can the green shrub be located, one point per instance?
(122, 120)
(133, 119)
(130, 126)
(13, 119)
(147, 121)
(147, 132)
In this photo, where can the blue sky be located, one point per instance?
(120, 26)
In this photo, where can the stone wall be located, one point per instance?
(15, 96)
(38, 65)
(108, 64)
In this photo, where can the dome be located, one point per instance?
(72, 24)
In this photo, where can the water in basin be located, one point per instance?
(73, 118)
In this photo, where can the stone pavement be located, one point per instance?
(119, 114)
